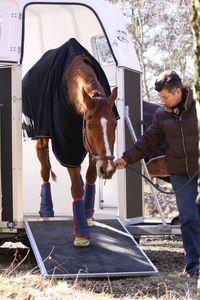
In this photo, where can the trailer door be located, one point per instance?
(9, 25)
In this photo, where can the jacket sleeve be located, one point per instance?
(147, 144)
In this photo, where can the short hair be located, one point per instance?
(168, 80)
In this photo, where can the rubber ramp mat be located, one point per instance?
(112, 251)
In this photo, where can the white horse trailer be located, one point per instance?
(27, 30)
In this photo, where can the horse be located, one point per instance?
(86, 95)
(66, 98)
(156, 163)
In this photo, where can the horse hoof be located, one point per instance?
(46, 213)
(81, 242)
(90, 222)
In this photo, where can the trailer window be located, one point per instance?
(101, 50)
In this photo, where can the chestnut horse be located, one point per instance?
(87, 96)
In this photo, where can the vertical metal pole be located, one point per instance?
(133, 135)
(101, 194)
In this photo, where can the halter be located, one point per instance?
(86, 142)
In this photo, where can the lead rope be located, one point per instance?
(158, 188)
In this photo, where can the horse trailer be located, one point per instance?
(27, 30)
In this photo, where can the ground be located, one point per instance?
(25, 282)
(20, 277)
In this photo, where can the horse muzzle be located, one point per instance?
(105, 169)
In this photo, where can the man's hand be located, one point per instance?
(120, 163)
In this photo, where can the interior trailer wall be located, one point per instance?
(47, 27)
(50, 26)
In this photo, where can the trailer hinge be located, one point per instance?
(15, 99)
(13, 49)
(14, 15)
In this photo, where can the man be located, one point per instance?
(176, 123)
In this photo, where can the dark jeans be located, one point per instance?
(189, 214)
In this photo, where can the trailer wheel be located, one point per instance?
(175, 221)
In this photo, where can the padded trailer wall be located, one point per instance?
(10, 140)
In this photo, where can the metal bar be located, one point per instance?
(35, 249)
(149, 261)
(159, 229)
(133, 135)
(101, 194)
(102, 206)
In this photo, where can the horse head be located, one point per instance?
(99, 131)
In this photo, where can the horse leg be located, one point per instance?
(89, 192)
(157, 167)
(81, 229)
(46, 204)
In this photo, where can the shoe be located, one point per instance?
(81, 241)
(194, 275)
(90, 222)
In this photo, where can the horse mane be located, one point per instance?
(81, 74)
(87, 60)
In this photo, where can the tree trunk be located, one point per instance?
(195, 20)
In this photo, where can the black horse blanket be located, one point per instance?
(46, 112)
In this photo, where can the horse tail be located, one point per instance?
(53, 175)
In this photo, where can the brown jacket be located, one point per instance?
(179, 132)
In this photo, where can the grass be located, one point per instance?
(36, 287)
(20, 277)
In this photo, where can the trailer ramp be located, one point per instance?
(113, 251)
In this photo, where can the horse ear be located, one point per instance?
(113, 96)
(87, 99)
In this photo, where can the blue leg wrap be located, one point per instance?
(46, 205)
(89, 199)
(81, 228)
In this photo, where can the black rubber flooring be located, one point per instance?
(111, 252)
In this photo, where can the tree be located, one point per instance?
(162, 38)
(195, 21)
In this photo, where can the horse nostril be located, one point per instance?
(102, 171)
